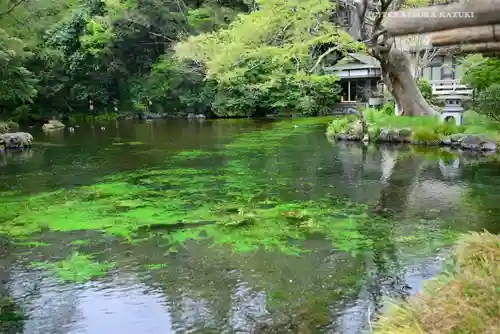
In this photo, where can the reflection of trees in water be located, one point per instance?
(387, 276)
(261, 292)
(11, 314)
(399, 184)
(483, 196)
(30, 302)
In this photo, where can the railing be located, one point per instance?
(447, 87)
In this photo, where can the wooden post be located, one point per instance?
(468, 13)
(479, 34)
(348, 90)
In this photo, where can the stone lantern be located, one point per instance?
(453, 108)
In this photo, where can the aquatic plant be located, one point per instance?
(233, 203)
(77, 268)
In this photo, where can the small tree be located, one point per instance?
(489, 102)
(425, 88)
(480, 72)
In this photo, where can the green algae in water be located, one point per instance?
(77, 268)
(132, 143)
(80, 242)
(155, 266)
(193, 154)
(32, 244)
(227, 205)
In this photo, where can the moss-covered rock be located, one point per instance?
(53, 125)
(395, 135)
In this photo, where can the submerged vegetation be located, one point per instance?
(243, 206)
(465, 299)
(234, 206)
(78, 268)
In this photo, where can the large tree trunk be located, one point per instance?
(398, 77)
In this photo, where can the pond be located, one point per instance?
(225, 226)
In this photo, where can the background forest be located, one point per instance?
(90, 56)
(103, 57)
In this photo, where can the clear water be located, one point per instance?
(225, 226)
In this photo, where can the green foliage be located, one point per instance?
(77, 268)
(425, 135)
(338, 125)
(425, 88)
(489, 102)
(480, 72)
(17, 83)
(97, 36)
(263, 59)
(425, 129)
(388, 109)
(447, 128)
(475, 122)
(106, 52)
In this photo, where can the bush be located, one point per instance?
(447, 129)
(427, 135)
(388, 109)
(489, 102)
(338, 125)
(425, 88)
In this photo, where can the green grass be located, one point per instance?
(424, 128)
(466, 300)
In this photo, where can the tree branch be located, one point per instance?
(320, 58)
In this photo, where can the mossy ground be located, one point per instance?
(425, 129)
(466, 299)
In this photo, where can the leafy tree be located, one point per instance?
(480, 72)
(103, 52)
(488, 102)
(17, 84)
(425, 88)
(270, 59)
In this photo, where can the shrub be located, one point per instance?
(373, 131)
(447, 129)
(338, 125)
(388, 109)
(489, 102)
(425, 88)
(427, 135)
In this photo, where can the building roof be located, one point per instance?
(354, 61)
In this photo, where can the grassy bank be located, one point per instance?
(423, 128)
(465, 299)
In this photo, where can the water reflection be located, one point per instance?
(415, 202)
